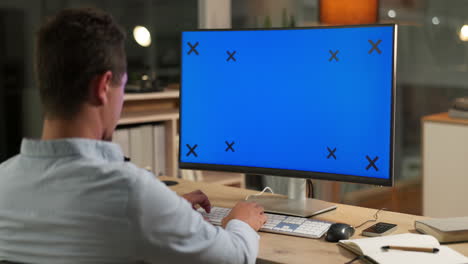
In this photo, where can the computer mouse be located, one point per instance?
(339, 231)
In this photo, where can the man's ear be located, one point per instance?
(100, 86)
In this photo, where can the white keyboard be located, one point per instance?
(282, 224)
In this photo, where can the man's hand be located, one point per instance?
(251, 213)
(198, 198)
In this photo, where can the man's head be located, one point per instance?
(81, 62)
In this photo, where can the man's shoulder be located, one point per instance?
(124, 169)
(9, 162)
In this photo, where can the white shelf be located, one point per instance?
(167, 94)
(147, 117)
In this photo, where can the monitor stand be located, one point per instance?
(296, 204)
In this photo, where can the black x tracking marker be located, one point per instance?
(191, 150)
(372, 163)
(333, 55)
(192, 48)
(231, 55)
(374, 46)
(229, 146)
(331, 153)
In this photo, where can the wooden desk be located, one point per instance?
(290, 249)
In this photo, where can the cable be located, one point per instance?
(376, 216)
(260, 193)
(309, 188)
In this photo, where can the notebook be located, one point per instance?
(371, 249)
(444, 229)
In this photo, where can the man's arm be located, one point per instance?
(171, 231)
(198, 198)
(248, 212)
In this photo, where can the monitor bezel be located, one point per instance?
(300, 173)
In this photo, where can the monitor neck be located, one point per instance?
(296, 189)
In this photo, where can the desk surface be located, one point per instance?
(290, 249)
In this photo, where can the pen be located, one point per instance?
(419, 249)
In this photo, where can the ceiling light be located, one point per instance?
(142, 36)
(464, 33)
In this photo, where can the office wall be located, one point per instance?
(3, 146)
(163, 18)
(254, 13)
(19, 109)
(20, 24)
(31, 110)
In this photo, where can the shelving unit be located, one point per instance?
(145, 108)
(445, 166)
(156, 107)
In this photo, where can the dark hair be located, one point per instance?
(72, 48)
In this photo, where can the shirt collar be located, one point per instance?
(72, 146)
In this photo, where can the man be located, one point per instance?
(71, 198)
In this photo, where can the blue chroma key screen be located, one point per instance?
(317, 102)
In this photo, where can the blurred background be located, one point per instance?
(432, 65)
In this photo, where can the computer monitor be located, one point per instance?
(305, 102)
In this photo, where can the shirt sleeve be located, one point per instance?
(172, 232)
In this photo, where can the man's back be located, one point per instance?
(71, 198)
(70, 206)
(77, 201)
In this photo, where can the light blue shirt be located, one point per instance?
(77, 201)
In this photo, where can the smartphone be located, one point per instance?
(379, 229)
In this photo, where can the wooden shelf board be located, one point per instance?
(146, 117)
(166, 94)
(223, 178)
(444, 118)
(382, 22)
